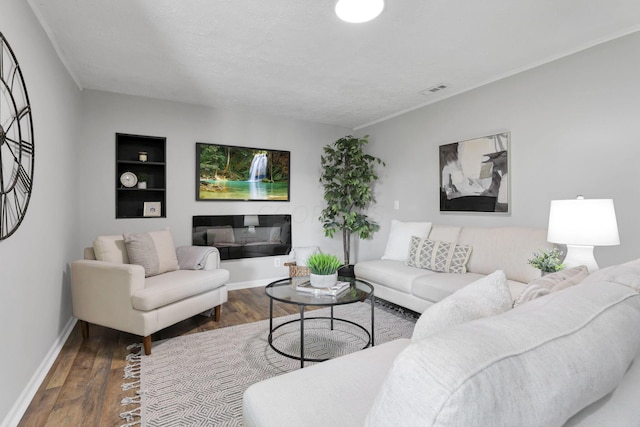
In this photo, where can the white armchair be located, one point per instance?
(114, 293)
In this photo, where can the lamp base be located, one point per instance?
(580, 255)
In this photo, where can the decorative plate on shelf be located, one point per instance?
(128, 179)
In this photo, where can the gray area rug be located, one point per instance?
(199, 379)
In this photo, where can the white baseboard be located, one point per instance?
(251, 283)
(20, 406)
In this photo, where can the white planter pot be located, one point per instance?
(323, 281)
(142, 185)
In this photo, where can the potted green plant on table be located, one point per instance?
(348, 174)
(324, 270)
(547, 260)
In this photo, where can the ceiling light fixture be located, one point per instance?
(357, 11)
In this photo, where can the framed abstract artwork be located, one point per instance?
(474, 175)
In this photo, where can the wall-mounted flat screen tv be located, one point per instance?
(226, 172)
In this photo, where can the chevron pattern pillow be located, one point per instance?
(438, 256)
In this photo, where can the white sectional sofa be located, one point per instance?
(498, 248)
(570, 358)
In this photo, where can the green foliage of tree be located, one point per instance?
(348, 174)
(231, 163)
(214, 160)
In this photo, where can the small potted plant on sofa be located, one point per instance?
(547, 261)
(324, 270)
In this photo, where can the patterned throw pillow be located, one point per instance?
(438, 256)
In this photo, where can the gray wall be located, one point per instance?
(35, 304)
(183, 125)
(574, 129)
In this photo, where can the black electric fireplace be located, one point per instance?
(243, 236)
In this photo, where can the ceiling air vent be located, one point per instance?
(434, 89)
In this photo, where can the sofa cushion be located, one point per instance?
(154, 251)
(173, 286)
(535, 365)
(552, 283)
(437, 286)
(618, 408)
(445, 233)
(504, 248)
(438, 256)
(337, 392)
(400, 237)
(487, 296)
(111, 249)
(392, 274)
(624, 274)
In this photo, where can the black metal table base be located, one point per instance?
(301, 320)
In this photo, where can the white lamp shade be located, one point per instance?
(357, 11)
(585, 222)
(251, 220)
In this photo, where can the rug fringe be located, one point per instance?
(129, 416)
(132, 371)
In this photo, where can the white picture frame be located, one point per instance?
(152, 209)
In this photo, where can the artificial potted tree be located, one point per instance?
(348, 174)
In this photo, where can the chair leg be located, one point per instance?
(216, 313)
(146, 341)
(85, 329)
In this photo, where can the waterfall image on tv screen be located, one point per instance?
(226, 172)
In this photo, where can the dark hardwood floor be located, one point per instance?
(83, 387)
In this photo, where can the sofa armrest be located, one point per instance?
(212, 262)
(102, 289)
(198, 257)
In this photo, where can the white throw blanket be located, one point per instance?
(193, 257)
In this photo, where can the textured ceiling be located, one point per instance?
(295, 58)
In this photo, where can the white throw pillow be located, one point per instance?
(400, 237)
(483, 298)
(111, 249)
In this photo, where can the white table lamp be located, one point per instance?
(250, 221)
(582, 224)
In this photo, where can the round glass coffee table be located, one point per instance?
(284, 291)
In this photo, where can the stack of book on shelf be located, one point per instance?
(338, 288)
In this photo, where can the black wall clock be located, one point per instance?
(16, 143)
